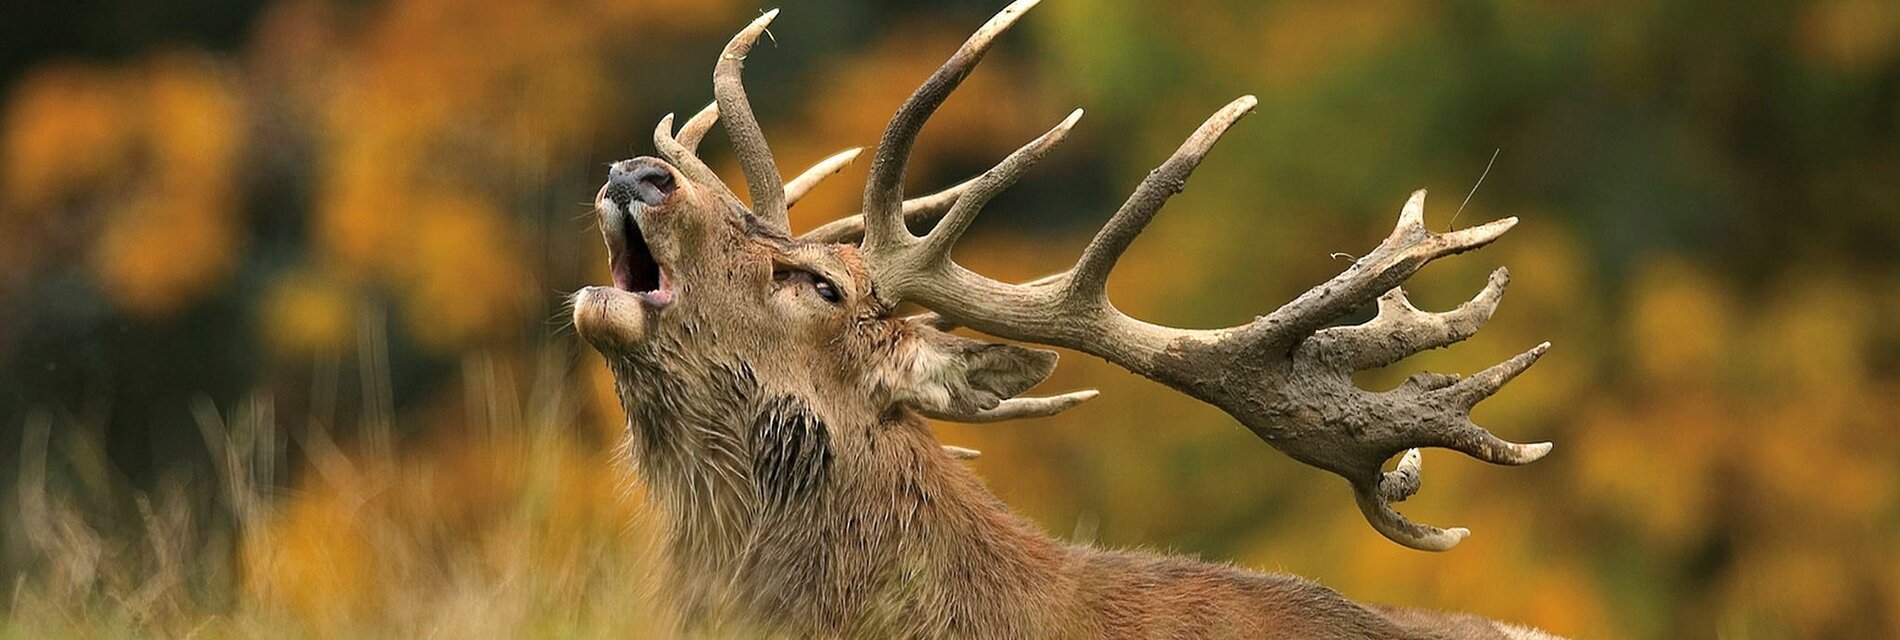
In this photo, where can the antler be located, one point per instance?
(748, 141)
(831, 165)
(1016, 409)
(1021, 408)
(916, 210)
(680, 151)
(771, 201)
(683, 151)
(1285, 376)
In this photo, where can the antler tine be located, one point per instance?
(1013, 409)
(938, 242)
(696, 127)
(1090, 277)
(683, 158)
(1403, 253)
(1403, 480)
(748, 141)
(961, 453)
(1487, 382)
(1020, 408)
(1374, 504)
(831, 165)
(918, 210)
(1401, 329)
(931, 207)
(884, 192)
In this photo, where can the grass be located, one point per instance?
(512, 526)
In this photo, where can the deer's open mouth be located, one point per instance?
(635, 268)
(635, 188)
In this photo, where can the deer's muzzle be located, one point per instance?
(636, 190)
(644, 179)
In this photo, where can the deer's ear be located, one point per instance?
(952, 374)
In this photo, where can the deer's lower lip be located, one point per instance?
(658, 297)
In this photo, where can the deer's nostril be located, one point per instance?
(652, 185)
(647, 180)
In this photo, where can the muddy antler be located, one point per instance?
(1286, 376)
(770, 200)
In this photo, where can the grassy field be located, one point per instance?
(520, 530)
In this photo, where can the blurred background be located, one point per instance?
(282, 349)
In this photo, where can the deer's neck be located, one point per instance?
(885, 534)
(686, 444)
(903, 541)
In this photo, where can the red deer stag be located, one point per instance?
(776, 404)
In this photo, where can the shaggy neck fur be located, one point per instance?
(784, 522)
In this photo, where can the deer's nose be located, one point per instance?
(648, 180)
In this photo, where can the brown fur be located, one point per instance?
(802, 495)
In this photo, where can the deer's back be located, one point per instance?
(1149, 596)
(1141, 595)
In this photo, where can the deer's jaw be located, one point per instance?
(610, 319)
(616, 318)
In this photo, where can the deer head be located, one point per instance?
(719, 314)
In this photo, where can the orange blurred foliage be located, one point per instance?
(157, 147)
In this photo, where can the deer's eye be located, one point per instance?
(826, 290)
